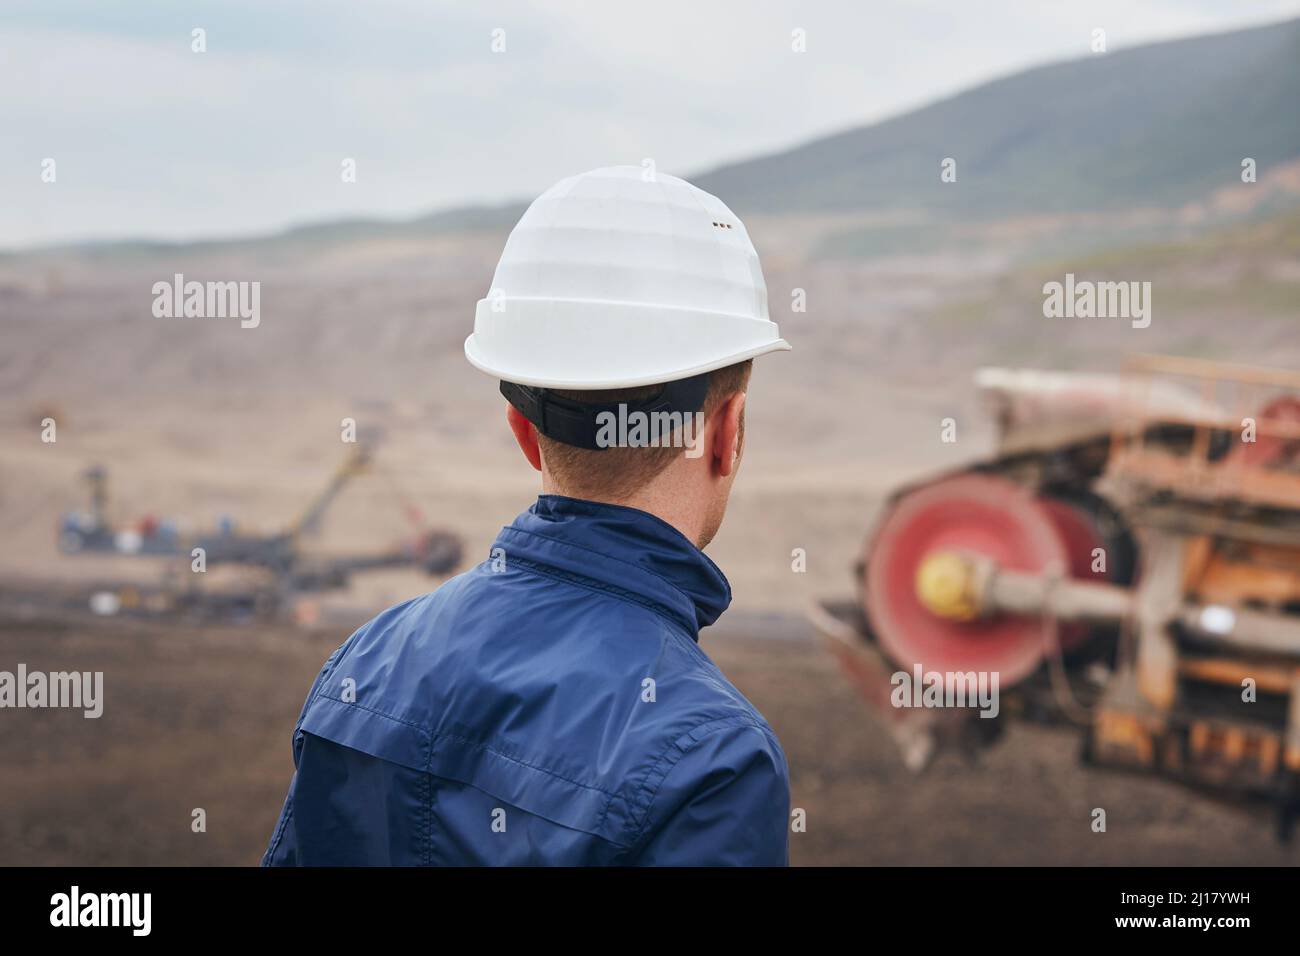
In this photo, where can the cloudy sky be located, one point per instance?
(151, 139)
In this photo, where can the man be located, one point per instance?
(552, 706)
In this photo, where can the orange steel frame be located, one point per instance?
(1228, 562)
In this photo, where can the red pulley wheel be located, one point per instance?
(1080, 537)
(983, 514)
(1270, 450)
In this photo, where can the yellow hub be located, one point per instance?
(945, 584)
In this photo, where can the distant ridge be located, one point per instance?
(1156, 125)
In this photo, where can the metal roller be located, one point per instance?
(915, 592)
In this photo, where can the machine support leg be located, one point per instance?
(1158, 600)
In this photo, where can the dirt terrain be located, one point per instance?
(202, 719)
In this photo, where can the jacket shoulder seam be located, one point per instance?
(371, 710)
(460, 738)
(523, 763)
(664, 763)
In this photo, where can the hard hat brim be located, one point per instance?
(586, 345)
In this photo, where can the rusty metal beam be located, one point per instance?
(1001, 590)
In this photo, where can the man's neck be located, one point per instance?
(675, 509)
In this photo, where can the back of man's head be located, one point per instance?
(621, 472)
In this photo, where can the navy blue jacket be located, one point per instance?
(550, 706)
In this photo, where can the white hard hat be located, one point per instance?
(622, 277)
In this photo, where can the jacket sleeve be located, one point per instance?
(725, 802)
(283, 848)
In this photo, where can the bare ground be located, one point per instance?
(202, 719)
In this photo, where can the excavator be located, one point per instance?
(1127, 562)
(281, 553)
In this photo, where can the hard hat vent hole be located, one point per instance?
(722, 225)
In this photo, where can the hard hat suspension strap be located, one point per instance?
(579, 424)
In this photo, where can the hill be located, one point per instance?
(1155, 125)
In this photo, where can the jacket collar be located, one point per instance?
(625, 550)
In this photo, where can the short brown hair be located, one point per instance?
(619, 472)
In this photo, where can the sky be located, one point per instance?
(150, 139)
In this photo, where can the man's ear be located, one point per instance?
(725, 447)
(525, 435)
